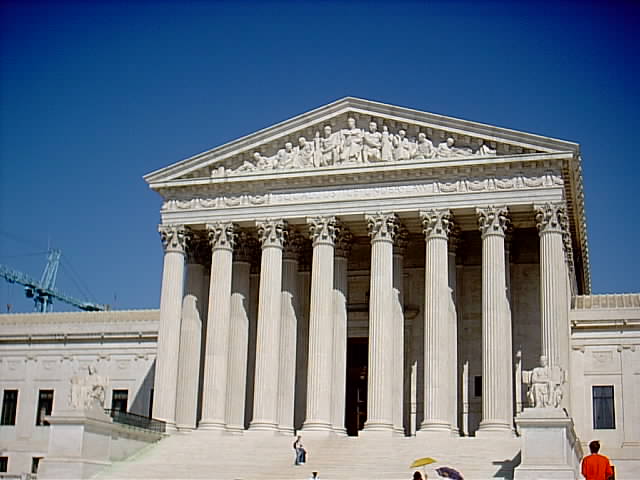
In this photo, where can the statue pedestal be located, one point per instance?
(79, 444)
(550, 449)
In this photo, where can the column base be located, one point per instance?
(377, 427)
(434, 427)
(185, 428)
(286, 430)
(263, 426)
(316, 426)
(340, 431)
(235, 429)
(211, 425)
(494, 428)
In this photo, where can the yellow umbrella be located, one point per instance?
(421, 462)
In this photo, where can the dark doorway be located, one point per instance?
(356, 394)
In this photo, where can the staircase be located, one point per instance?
(258, 455)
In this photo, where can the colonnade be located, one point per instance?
(226, 336)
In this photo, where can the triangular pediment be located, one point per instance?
(350, 133)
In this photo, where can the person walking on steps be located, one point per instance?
(301, 453)
(596, 466)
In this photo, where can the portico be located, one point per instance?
(445, 249)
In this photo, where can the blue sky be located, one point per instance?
(93, 95)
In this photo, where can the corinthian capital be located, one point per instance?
(174, 237)
(272, 232)
(245, 247)
(198, 250)
(222, 235)
(382, 226)
(343, 242)
(436, 223)
(552, 218)
(293, 247)
(323, 229)
(493, 220)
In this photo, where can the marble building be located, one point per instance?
(366, 267)
(360, 269)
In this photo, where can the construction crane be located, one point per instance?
(43, 292)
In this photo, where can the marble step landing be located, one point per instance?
(211, 455)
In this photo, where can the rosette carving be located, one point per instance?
(222, 235)
(323, 229)
(174, 237)
(245, 247)
(382, 226)
(272, 232)
(436, 223)
(552, 217)
(493, 220)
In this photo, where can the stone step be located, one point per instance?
(211, 455)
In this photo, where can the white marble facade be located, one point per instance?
(444, 248)
(367, 269)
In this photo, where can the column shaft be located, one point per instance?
(238, 345)
(382, 229)
(340, 297)
(398, 388)
(190, 342)
(166, 376)
(497, 408)
(288, 338)
(321, 326)
(214, 395)
(438, 381)
(265, 406)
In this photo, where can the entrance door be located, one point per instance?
(356, 392)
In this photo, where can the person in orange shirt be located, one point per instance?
(596, 466)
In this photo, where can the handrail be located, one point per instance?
(140, 421)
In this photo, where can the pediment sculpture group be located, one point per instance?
(355, 146)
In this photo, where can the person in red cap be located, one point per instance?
(596, 466)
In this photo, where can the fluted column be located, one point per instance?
(497, 408)
(399, 247)
(191, 335)
(552, 225)
(288, 332)
(239, 332)
(222, 237)
(323, 234)
(454, 241)
(272, 234)
(340, 297)
(174, 239)
(382, 230)
(438, 381)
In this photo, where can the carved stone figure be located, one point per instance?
(286, 157)
(485, 150)
(352, 138)
(424, 148)
(386, 140)
(245, 167)
(329, 147)
(402, 146)
(305, 153)
(88, 391)
(372, 151)
(545, 385)
(264, 163)
(448, 150)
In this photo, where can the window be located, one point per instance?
(151, 403)
(9, 406)
(45, 404)
(119, 400)
(35, 463)
(4, 464)
(477, 386)
(604, 415)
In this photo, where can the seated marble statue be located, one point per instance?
(87, 391)
(329, 149)
(545, 385)
(448, 150)
(352, 137)
(424, 148)
(403, 147)
(286, 157)
(305, 153)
